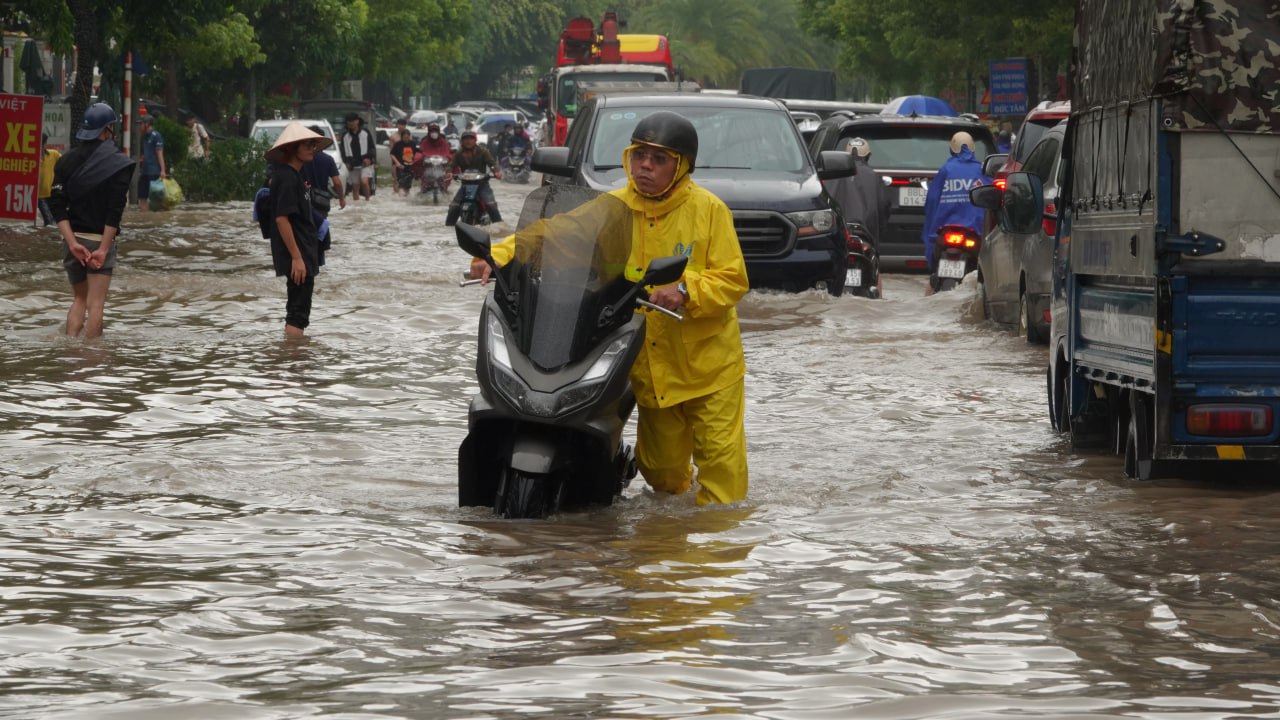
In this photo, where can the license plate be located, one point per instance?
(951, 269)
(911, 197)
(853, 277)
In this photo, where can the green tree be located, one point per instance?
(929, 45)
(410, 39)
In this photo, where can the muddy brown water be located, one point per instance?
(201, 520)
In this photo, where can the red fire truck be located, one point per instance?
(586, 55)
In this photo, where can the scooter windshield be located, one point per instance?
(567, 271)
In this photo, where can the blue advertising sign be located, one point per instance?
(1008, 86)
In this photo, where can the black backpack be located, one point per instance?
(264, 208)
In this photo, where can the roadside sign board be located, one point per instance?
(1008, 86)
(57, 125)
(20, 119)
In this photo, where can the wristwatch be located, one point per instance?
(684, 289)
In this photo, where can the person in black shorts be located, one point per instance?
(89, 193)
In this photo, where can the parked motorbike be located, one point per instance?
(515, 165)
(863, 276)
(473, 210)
(955, 254)
(557, 338)
(435, 177)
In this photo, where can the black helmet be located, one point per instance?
(669, 131)
(468, 134)
(96, 119)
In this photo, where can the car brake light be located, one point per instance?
(1001, 183)
(899, 181)
(917, 265)
(1050, 223)
(1229, 420)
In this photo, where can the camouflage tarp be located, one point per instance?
(1215, 62)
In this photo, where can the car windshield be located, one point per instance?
(728, 138)
(568, 93)
(1029, 136)
(269, 133)
(900, 147)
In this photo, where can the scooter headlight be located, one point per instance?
(497, 342)
(600, 368)
(504, 377)
(592, 383)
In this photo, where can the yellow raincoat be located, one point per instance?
(688, 377)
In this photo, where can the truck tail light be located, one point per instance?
(1229, 420)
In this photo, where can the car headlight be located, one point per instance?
(813, 222)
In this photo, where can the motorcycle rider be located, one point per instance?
(863, 198)
(947, 200)
(473, 157)
(434, 143)
(688, 377)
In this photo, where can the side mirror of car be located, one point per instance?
(992, 164)
(1023, 210)
(552, 161)
(835, 164)
(986, 197)
(664, 270)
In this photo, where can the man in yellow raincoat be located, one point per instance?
(688, 377)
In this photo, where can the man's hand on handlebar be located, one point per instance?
(481, 270)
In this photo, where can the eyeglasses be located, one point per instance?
(314, 144)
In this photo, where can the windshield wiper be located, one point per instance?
(722, 167)
(606, 167)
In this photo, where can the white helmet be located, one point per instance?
(860, 147)
(960, 140)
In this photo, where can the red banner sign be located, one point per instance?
(20, 119)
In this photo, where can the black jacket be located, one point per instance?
(91, 186)
(863, 198)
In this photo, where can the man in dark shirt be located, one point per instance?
(88, 197)
(319, 174)
(473, 157)
(295, 241)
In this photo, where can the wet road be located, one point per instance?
(201, 520)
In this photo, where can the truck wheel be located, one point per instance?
(1026, 324)
(1139, 446)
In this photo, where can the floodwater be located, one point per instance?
(204, 521)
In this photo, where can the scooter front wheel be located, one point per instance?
(527, 496)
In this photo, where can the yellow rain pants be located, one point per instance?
(709, 429)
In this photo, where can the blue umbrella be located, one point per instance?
(918, 105)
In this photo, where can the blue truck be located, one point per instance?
(1165, 338)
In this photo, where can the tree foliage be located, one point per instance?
(928, 45)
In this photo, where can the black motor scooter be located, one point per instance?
(955, 254)
(863, 275)
(558, 335)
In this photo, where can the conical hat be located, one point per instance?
(295, 132)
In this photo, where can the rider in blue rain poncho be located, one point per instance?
(947, 202)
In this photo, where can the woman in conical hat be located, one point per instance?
(295, 240)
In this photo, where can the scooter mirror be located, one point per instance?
(474, 241)
(665, 270)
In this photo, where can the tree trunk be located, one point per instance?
(88, 52)
(171, 67)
